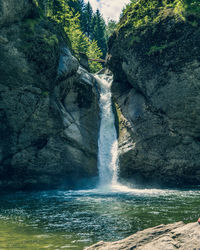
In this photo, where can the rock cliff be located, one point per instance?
(49, 115)
(155, 58)
(172, 236)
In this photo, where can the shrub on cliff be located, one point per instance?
(147, 12)
(154, 27)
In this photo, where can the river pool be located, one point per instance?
(75, 219)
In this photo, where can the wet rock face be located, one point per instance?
(49, 115)
(157, 95)
(172, 236)
(68, 65)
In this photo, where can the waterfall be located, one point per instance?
(107, 143)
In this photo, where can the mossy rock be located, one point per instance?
(145, 12)
(155, 31)
(41, 40)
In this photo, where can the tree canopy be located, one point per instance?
(85, 29)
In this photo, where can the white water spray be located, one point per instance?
(108, 144)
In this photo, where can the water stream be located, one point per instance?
(70, 219)
(108, 143)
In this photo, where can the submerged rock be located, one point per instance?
(49, 115)
(172, 236)
(156, 66)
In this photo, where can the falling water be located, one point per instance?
(108, 144)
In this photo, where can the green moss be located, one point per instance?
(40, 43)
(28, 27)
(50, 40)
(194, 24)
(190, 7)
(45, 93)
(134, 39)
(33, 35)
(155, 49)
(30, 24)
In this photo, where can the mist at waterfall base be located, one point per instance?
(76, 219)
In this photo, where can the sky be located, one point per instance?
(110, 9)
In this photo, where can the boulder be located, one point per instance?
(84, 61)
(68, 64)
(168, 237)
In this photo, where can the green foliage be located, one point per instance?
(110, 28)
(51, 41)
(156, 29)
(88, 18)
(29, 26)
(134, 39)
(99, 32)
(140, 13)
(73, 15)
(189, 7)
(95, 53)
(147, 12)
(154, 49)
(78, 6)
(45, 93)
(86, 30)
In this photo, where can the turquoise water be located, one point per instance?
(75, 219)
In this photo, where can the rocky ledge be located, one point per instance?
(173, 236)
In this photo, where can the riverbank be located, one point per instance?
(172, 236)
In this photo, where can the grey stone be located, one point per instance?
(68, 64)
(84, 61)
(168, 237)
(157, 99)
(49, 113)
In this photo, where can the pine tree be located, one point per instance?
(76, 19)
(56, 6)
(88, 15)
(66, 15)
(99, 31)
(95, 53)
(78, 6)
